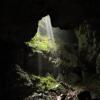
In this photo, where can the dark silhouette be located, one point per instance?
(85, 95)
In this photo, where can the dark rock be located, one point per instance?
(84, 95)
(18, 24)
(63, 96)
(73, 75)
(96, 99)
(19, 20)
(39, 64)
(18, 82)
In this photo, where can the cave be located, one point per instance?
(74, 27)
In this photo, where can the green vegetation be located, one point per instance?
(62, 55)
(42, 43)
(44, 83)
(56, 52)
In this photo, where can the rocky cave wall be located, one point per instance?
(18, 24)
(19, 19)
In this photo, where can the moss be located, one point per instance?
(44, 83)
(42, 43)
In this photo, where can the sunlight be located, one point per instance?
(49, 28)
(46, 32)
(45, 29)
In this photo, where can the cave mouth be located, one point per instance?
(54, 59)
(46, 32)
(52, 42)
(44, 43)
(53, 55)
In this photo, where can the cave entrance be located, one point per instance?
(45, 30)
(45, 47)
(51, 45)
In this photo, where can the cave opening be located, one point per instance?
(62, 57)
(55, 57)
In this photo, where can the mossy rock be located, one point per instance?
(44, 83)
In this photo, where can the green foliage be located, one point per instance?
(44, 83)
(47, 82)
(57, 54)
(41, 43)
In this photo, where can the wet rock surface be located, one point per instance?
(67, 92)
(70, 95)
(54, 95)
